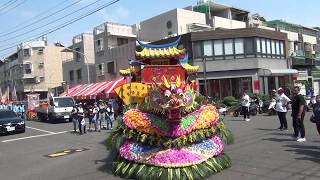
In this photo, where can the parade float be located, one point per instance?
(166, 133)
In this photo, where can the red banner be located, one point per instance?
(154, 73)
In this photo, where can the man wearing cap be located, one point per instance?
(281, 107)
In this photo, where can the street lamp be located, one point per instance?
(85, 58)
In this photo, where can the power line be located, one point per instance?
(49, 23)
(48, 16)
(64, 24)
(8, 4)
(17, 5)
(5, 4)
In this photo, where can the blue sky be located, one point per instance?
(131, 12)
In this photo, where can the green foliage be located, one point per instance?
(200, 99)
(131, 170)
(122, 132)
(230, 101)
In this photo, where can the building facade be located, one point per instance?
(80, 68)
(33, 68)
(107, 37)
(236, 59)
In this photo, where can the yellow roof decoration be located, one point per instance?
(189, 68)
(159, 52)
(138, 92)
(127, 71)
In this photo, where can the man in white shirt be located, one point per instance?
(245, 103)
(281, 107)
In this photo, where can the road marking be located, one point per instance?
(66, 152)
(39, 129)
(29, 137)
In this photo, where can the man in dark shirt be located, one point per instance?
(298, 111)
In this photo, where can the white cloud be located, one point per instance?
(114, 15)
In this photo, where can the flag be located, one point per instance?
(14, 94)
(5, 96)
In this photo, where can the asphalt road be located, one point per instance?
(260, 152)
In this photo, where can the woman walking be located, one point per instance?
(281, 107)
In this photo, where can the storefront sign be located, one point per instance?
(256, 85)
(33, 101)
(152, 74)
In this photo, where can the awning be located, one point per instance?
(93, 90)
(71, 90)
(110, 89)
(276, 72)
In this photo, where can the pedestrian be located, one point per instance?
(90, 116)
(74, 115)
(81, 119)
(281, 107)
(245, 104)
(96, 117)
(109, 116)
(102, 111)
(298, 112)
(316, 113)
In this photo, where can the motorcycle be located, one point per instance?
(269, 107)
(253, 110)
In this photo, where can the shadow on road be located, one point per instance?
(106, 163)
(312, 153)
(277, 139)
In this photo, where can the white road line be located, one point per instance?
(39, 129)
(29, 137)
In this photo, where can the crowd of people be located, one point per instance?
(298, 105)
(100, 115)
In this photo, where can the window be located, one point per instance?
(218, 49)
(27, 68)
(263, 44)
(273, 47)
(122, 41)
(249, 47)
(282, 48)
(110, 67)
(40, 51)
(41, 65)
(207, 48)
(258, 45)
(27, 52)
(169, 24)
(99, 45)
(77, 55)
(71, 75)
(228, 47)
(100, 69)
(79, 74)
(268, 46)
(238, 44)
(197, 53)
(277, 47)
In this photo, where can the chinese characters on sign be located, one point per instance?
(152, 74)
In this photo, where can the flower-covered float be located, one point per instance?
(166, 133)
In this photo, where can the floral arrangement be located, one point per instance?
(168, 135)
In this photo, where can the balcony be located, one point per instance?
(301, 58)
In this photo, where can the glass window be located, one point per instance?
(228, 47)
(258, 45)
(249, 47)
(197, 49)
(281, 47)
(278, 47)
(27, 68)
(273, 47)
(268, 46)
(239, 46)
(263, 44)
(207, 48)
(71, 75)
(79, 75)
(218, 50)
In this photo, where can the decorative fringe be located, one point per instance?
(122, 132)
(132, 170)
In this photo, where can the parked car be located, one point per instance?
(10, 122)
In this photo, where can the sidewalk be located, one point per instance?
(261, 152)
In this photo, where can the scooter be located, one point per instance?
(252, 110)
